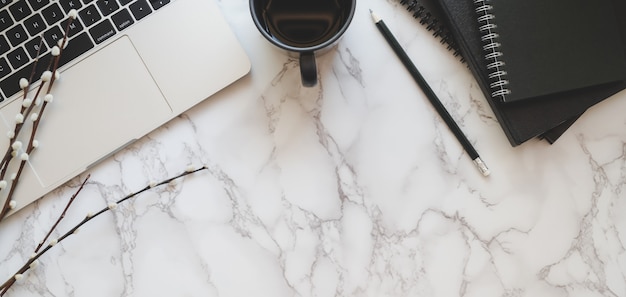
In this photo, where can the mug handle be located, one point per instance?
(308, 69)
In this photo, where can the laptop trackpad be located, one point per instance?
(99, 105)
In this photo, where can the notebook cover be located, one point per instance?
(548, 47)
(619, 6)
(526, 119)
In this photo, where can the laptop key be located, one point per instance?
(156, 4)
(20, 10)
(75, 27)
(107, 7)
(53, 35)
(17, 57)
(52, 13)
(102, 31)
(122, 19)
(89, 15)
(4, 67)
(34, 24)
(35, 47)
(17, 35)
(5, 20)
(140, 9)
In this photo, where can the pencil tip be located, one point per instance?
(374, 16)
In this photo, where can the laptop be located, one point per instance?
(129, 67)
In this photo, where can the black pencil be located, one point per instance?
(432, 97)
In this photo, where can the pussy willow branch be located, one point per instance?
(10, 282)
(49, 76)
(62, 216)
(26, 109)
(34, 259)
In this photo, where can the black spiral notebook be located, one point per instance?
(544, 115)
(431, 16)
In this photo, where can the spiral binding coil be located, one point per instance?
(432, 23)
(491, 46)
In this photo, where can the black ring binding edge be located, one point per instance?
(496, 67)
(428, 19)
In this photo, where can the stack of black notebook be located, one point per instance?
(540, 64)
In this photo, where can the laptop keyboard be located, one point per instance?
(30, 27)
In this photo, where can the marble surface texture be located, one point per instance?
(352, 188)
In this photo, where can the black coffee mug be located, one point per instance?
(304, 27)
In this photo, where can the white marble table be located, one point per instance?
(352, 188)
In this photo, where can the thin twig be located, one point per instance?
(62, 214)
(7, 284)
(12, 281)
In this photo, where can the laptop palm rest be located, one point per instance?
(118, 94)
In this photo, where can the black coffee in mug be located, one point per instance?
(303, 23)
(303, 26)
